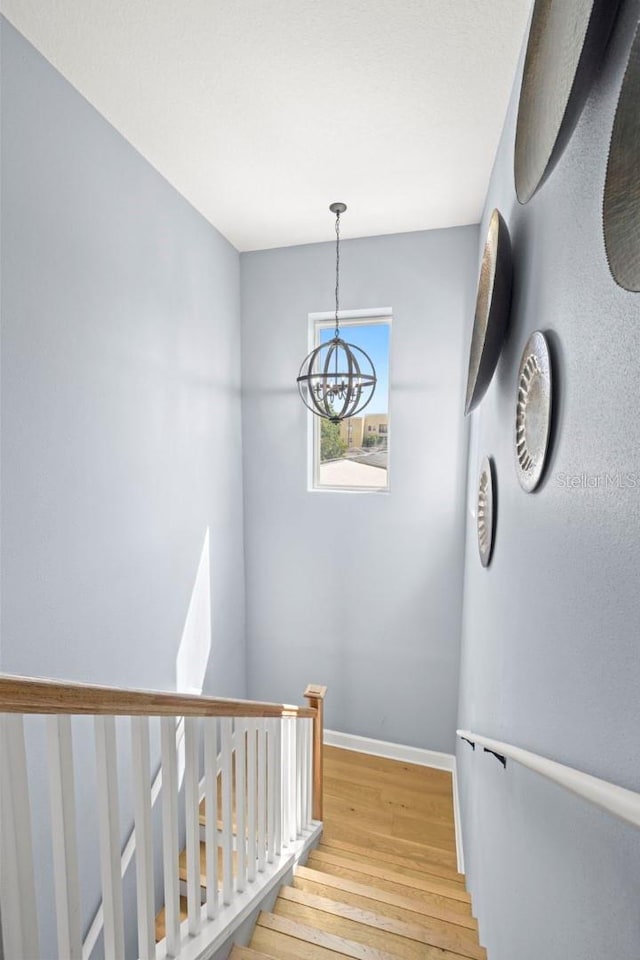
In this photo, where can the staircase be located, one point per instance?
(242, 777)
(382, 883)
(376, 836)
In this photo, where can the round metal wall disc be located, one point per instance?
(621, 209)
(566, 42)
(485, 512)
(533, 412)
(492, 311)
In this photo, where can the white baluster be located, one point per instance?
(211, 813)
(63, 836)
(285, 781)
(278, 785)
(309, 814)
(262, 793)
(109, 831)
(170, 851)
(292, 779)
(241, 800)
(252, 813)
(227, 813)
(17, 888)
(192, 815)
(299, 776)
(271, 791)
(140, 764)
(304, 742)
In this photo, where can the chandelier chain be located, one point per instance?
(337, 334)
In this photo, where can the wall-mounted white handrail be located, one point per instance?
(619, 801)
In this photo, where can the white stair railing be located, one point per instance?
(265, 786)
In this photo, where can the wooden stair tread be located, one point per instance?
(234, 829)
(182, 865)
(248, 953)
(395, 904)
(161, 930)
(360, 931)
(345, 830)
(445, 936)
(352, 850)
(318, 944)
(424, 899)
(369, 873)
(287, 947)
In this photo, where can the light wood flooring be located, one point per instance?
(382, 884)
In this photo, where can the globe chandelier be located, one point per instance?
(337, 380)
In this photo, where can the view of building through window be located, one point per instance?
(354, 454)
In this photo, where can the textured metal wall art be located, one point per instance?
(566, 42)
(622, 188)
(492, 311)
(485, 512)
(533, 412)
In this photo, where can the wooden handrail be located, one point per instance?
(28, 695)
(315, 695)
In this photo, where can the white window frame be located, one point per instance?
(326, 320)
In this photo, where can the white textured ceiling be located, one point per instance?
(261, 112)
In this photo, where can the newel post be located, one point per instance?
(315, 695)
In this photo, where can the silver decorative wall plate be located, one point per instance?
(621, 210)
(533, 412)
(566, 42)
(485, 512)
(492, 311)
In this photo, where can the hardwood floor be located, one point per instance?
(383, 883)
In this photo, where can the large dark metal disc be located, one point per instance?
(492, 311)
(566, 42)
(622, 187)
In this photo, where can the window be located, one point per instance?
(354, 454)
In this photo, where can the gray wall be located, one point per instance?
(359, 591)
(121, 439)
(550, 641)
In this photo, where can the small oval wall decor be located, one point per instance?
(485, 512)
(621, 211)
(492, 311)
(566, 42)
(533, 412)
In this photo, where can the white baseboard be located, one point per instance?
(391, 751)
(457, 819)
(399, 751)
